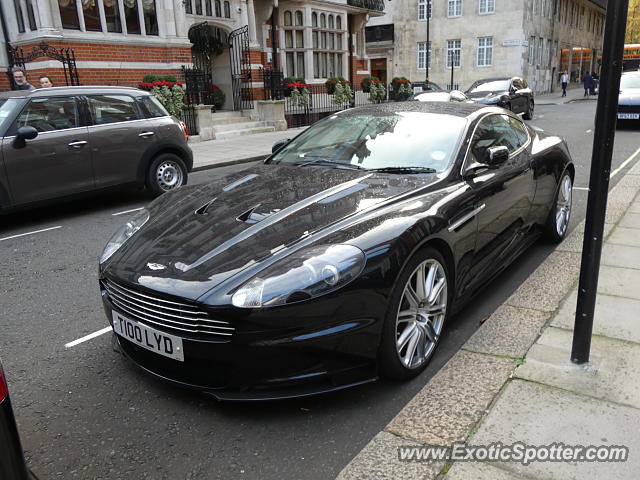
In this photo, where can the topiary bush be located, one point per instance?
(366, 83)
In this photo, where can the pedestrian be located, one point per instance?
(20, 79)
(587, 82)
(564, 79)
(45, 82)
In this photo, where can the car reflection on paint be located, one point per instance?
(341, 257)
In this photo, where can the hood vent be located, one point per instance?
(204, 210)
(251, 216)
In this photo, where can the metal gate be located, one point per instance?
(195, 80)
(240, 68)
(66, 56)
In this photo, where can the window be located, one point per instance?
(453, 52)
(314, 19)
(485, 51)
(150, 17)
(131, 15)
(152, 107)
(520, 131)
(299, 21)
(339, 22)
(540, 50)
(495, 131)
(323, 20)
(454, 8)
(294, 39)
(31, 16)
(68, 15)
(112, 109)
(217, 8)
(424, 9)
(112, 16)
(207, 8)
(331, 23)
(486, 6)
(287, 18)
(49, 114)
(188, 7)
(424, 56)
(198, 6)
(328, 45)
(18, 9)
(227, 10)
(532, 50)
(91, 16)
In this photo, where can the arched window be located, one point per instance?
(314, 19)
(227, 10)
(207, 8)
(331, 24)
(299, 18)
(218, 11)
(323, 20)
(339, 22)
(287, 18)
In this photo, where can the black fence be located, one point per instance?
(195, 80)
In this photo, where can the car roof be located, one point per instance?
(76, 90)
(456, 109)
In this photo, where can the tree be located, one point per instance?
(633, 22)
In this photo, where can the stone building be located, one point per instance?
(535, 39)
(117, 42)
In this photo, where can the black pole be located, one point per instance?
(453, 56)
(604, 134)
(274, 40)
(426, 61)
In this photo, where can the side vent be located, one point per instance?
(249, 216)
(204, 210)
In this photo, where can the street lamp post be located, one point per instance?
(426, 53)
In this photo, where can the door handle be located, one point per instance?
(145, 134)
(78, 143)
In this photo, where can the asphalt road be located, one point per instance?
(85, 413)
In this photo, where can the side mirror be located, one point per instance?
(496, 156)
(279, 144)
(512, 89)
(23, 134)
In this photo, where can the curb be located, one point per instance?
(457, 399)
(229, 162)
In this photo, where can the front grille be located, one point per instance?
(629, 108)
(175, 317)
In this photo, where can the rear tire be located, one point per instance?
(558, 221)
(167, 172)
(528, 115)
(415, 316)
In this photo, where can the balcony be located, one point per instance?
(375, 5)
(379, 34)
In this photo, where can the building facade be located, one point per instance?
(474, 39)
(117, 42)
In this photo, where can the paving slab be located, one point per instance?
(634, 207)
(614, 317)
(635, 170)
(625, 236)
(541, 415)
(621, 255)
(508, 332)
(379, 460)
(454, 400)
(573, 241)
(630, 220)
(630, 180)
(619, 201)
(481, 471)
(549, 283)
(611, 374)
(622, 282)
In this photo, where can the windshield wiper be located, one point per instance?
(326, 163)
(403, 170)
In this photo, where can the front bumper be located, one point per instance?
(333, 346)
(629, 112)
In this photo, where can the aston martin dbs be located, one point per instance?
(338, 259)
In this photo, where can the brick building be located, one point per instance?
(117, 42)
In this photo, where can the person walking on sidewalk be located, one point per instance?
(587, 81)
(564, 79)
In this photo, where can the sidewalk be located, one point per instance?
(513, 380)
(244, 148)
(574, 94)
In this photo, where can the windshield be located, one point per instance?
(386, 140)
(493, 86)
(630, 81)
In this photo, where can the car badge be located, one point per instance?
(155, 266)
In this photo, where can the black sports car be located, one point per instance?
(338, 259)
(511, 93)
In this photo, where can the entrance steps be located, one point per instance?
(227, 124)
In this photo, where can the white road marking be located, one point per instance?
(87, 337)
(30, 233)
(625, 163)
(581, 188)
(127, 211)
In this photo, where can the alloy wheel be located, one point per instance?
(421, 313)
(563, 205)
(168, 175)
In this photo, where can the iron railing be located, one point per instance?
(376, 5)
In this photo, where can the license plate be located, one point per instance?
(149, 338)
(629, 116)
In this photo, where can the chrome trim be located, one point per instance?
(164, 313)
(77, 143)
(145, 134)
(465, 218)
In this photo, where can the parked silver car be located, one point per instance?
(629, 96)
(65, 141)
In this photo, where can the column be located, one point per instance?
(180, 16)
(251, 14)
(46, 17)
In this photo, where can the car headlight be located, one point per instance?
(308, 273)
(124, 233)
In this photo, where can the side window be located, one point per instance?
(515, 83)
(495, 131)
(152, 107)
(520, 131)
(112, 109)
(49, 114)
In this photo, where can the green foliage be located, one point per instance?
(400, 89)
(289, 83)
(377, 92)
(150, 78)
(170, 98)
(366, 83)
(633, 22)
(217, 98)
(342, 94)
(170, 78)
(300, 98)
(333, 82)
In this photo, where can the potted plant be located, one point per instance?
(215, 96)
(331, 83)
(290, 84)
(400, 89)
(377, 92)
(366, 83)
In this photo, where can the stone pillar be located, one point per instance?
(272, 112)
(46, 18)
(251, 14)
(180, 18)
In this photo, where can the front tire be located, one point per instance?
(417, 311)
(558, 221)
(528, 115)
(167, 172)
